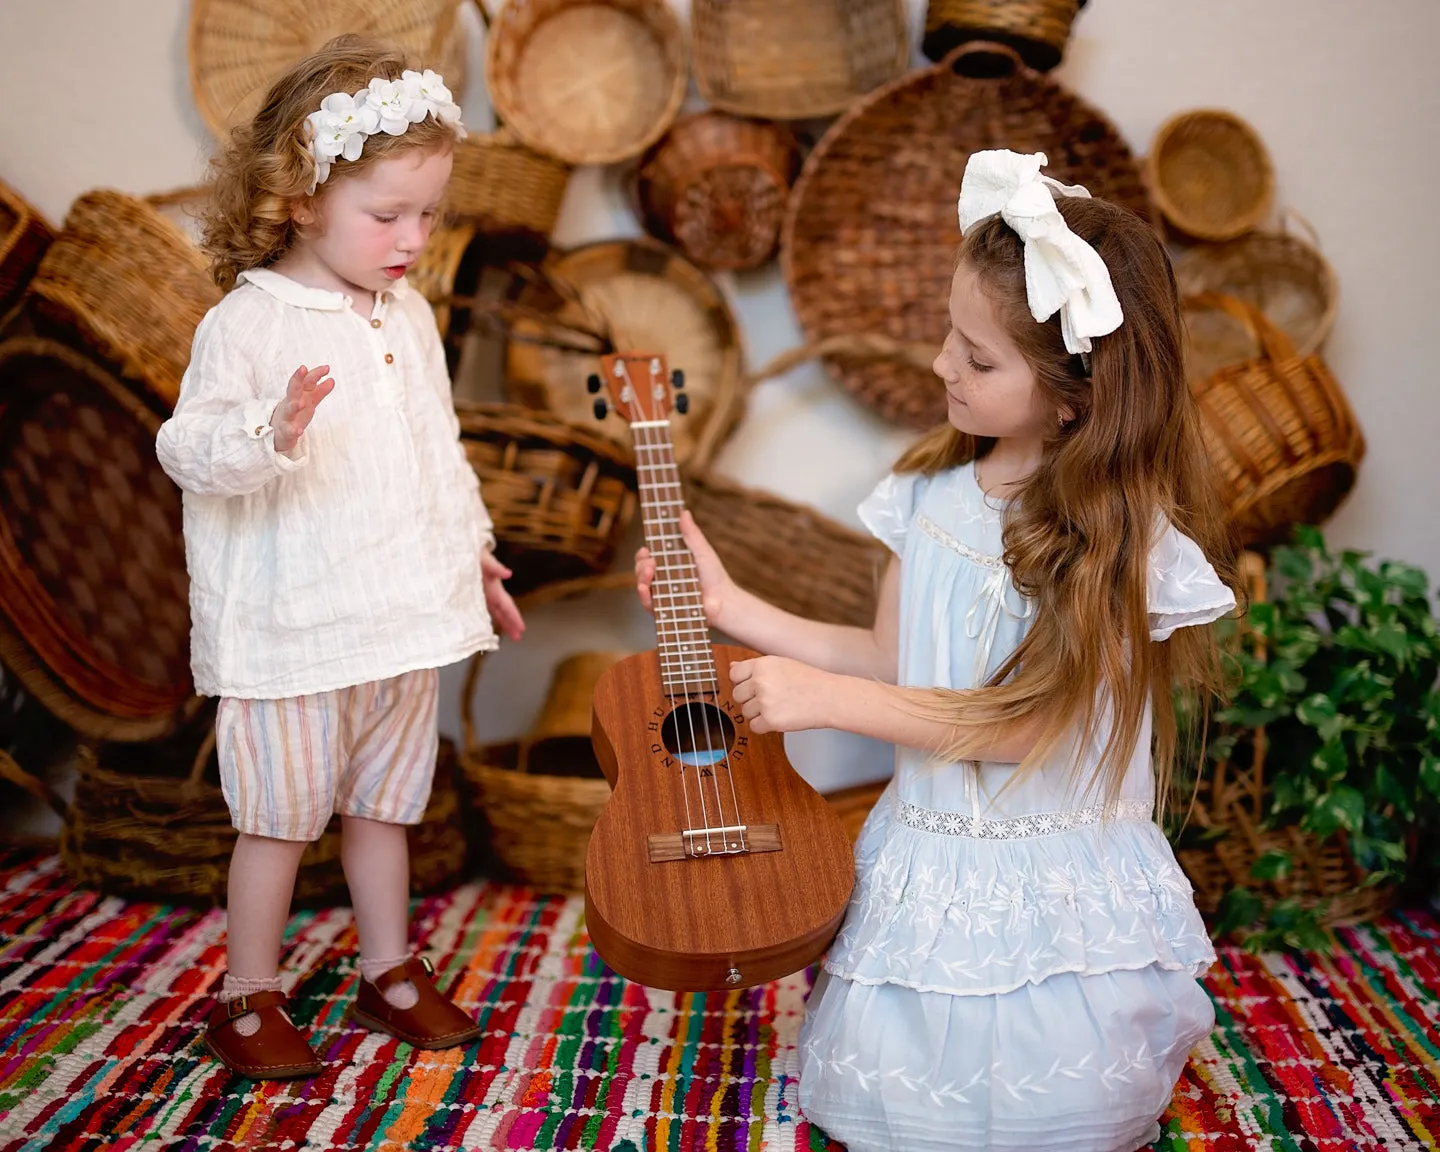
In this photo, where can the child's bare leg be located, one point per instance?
(261, 883)
(376, 857)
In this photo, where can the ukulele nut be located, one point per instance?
(733, 976)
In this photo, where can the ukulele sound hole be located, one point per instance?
(698, 734)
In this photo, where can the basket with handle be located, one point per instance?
(1279, 429)
(1037, 29)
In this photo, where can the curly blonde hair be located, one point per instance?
(266, 169)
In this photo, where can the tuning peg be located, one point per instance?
(677, 380)
(601, 408)
(682, 403)
(592, 382)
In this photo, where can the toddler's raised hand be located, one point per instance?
(293, 414)
(716, 587)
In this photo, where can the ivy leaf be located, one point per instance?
(1342, 807)
(1239, 908)
(1430, 773)
(1272, 865)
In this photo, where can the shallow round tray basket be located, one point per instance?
(93, 581)
(24, 236)
(150, 821)
(238, 48)
(435, 274)
(500, 185)
(1210, 174)
(634, 295)
(1280, 430)
(870, 234)
(1282, 275)
(131, 282)
(539, 797)
(1037, 29)
(796, 59)
(716, 187)
(788, 554)
(560, 497)
(586, 81)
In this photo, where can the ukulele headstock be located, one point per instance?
(640, 387)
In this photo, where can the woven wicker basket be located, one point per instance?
(716, 187)
(435, 274)
(538, 809)
(149, 820)
(560, 497)
(1228, 833)
(132, 283)
(634, 294)
(1280, 274)
(789, 555)
(499, 185)
(797, 59)
(1210, 174)
(1280, 431)
(586, 81)
(238, 48)
(870, 234)
(1037, 29)
(92, 562)
(24, 236)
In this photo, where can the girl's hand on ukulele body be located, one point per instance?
(777, 694)
(716, 587)
(307, 387)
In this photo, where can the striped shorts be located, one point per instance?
(369, 750)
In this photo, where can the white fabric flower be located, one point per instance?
(428, 94)
(338, 129)
(390, 100)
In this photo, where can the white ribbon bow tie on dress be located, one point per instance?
(1062, 272)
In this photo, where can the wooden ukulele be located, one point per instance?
(713, 864)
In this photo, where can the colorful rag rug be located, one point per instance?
(101, 1002)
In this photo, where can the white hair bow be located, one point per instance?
(1062, 272)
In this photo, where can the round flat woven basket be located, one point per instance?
(131, 282)
(92, 560)
(434, 275)
(500, 185)
(798, 59)
(870, 234)
(560, 497)
(634, 295)
(1210, 174)
(238, 48)
(538, 798)
(1280, 274)
(24, 236)
(586, 81)
(716, 187)
(1280, 430)
(1037, 29)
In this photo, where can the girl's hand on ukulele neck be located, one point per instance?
(716, 587)
(293, 414)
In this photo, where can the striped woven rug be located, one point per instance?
(101, 1002)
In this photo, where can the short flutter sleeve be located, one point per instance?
(1183, 589)
(890, 508)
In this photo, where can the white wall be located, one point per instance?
(1344, 95)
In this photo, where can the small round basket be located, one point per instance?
(797, 59)
(1282, 275)
(131, 282)
(1210, 174)
(1280, 431)
(238, 48)
(586, 81)
(560, 497)
(500, 186)
(716, 187)
(1037, 29)
(631, 294)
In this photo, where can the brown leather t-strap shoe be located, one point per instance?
(434, 1021)
(276, 1052)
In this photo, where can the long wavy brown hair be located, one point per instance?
(265, 169)
(1078, 532)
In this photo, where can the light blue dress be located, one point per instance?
(1017, 969)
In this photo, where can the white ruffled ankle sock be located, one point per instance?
(403, 995)
(234, 987)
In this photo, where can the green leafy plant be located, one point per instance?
(1338, 665)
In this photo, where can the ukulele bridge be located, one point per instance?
(698, 843)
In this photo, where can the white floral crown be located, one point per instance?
(389, 106)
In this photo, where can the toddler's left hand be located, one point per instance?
(503, 612)
(778, 694)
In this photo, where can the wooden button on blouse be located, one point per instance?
(389, 358)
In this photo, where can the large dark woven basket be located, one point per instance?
(93, 584)
(871, 232)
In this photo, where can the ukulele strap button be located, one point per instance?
(733, 976)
